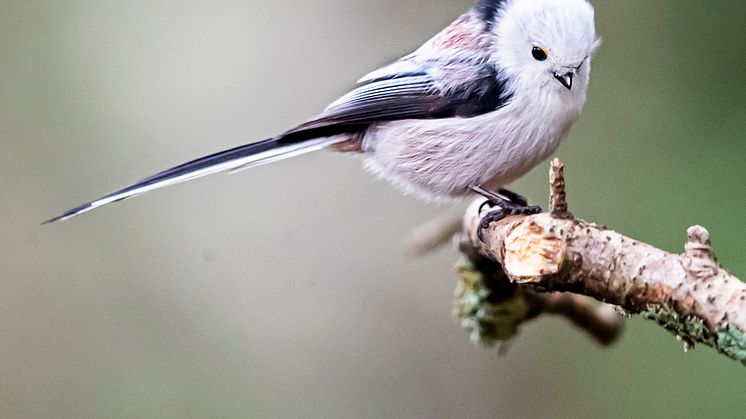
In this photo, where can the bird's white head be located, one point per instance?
(546, 45)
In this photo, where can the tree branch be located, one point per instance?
(689, 294)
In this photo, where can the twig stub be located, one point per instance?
(557, 194)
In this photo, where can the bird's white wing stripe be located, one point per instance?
(293, 150)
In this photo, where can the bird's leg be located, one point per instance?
(515, 198)
(507, 203)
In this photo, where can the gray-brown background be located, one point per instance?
(284, 291)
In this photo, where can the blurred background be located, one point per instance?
(285, 291)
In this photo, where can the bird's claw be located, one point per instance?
(506, 202)
(500, 213)
(503, 210)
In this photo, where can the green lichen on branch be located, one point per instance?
(729, 340)
(487, 317)
(690, 329)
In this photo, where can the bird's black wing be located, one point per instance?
(414, 94)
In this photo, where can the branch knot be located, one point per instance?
(703, 263)
(558, 195)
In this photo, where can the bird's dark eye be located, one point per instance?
(540, 54)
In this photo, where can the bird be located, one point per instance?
(474, 108)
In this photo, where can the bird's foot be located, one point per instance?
(515, 198)
(506, 203)
(500, 213)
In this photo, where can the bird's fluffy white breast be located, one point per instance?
(442, 158)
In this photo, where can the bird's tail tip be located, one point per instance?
(69, 214)
(239, 158)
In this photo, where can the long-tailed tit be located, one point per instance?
(476, 107)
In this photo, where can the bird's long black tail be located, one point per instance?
(235, 159)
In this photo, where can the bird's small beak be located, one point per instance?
(565, 77)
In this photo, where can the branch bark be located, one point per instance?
(689, 294)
